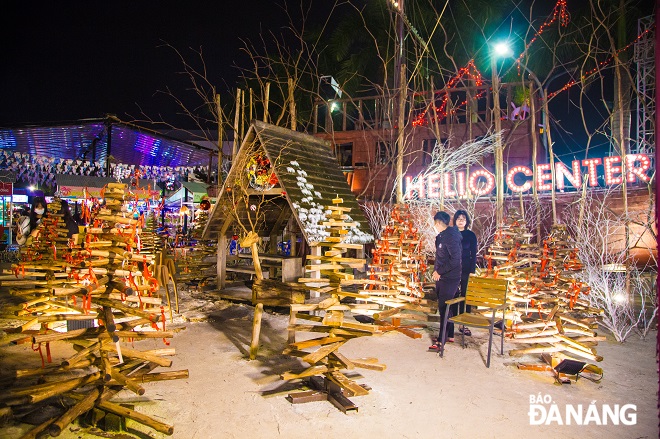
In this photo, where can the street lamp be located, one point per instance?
(503, 50)
(498, 49)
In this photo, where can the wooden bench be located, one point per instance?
(291, 267)
(489, 295)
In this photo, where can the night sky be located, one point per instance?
(67, 60)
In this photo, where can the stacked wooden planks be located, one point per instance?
(396, 275)
(325, 358)
(547, 311)
(99, 276)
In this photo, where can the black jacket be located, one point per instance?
(448, 253)
(469, 245)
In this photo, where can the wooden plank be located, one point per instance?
(322, 353)
(316, 342)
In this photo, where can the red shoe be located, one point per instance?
(434, 347)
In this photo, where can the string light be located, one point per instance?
(472, 73)
(591, 166)
(558, 12)
(510, 179)
(600, 65)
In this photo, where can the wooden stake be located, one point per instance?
(256, 329)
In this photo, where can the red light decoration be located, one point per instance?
(600, 65)
(470, 71)
(558, 12)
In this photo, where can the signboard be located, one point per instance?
(6, 189)
(596, 172)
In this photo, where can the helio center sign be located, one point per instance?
(519, 179)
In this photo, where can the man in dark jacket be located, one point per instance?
(447, 269)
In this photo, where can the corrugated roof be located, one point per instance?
(88, 139)
(309, 178)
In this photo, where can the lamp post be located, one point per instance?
(503, 50)
(500, 49)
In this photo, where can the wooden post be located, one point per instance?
(251, 104)
(499, 155)
(546, 126)
(403, 85)
(221, 266)
(219, 110)
(535, 148)
(256, 330)
(292, 105)
(266, 98)
(237, 114)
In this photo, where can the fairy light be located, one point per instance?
(542, 176)
(598, 67)
(611, 170)
(480, 189)
(471, 72)
(562, 171)
(511, 175)
(634, 171)
(558, 13)
(592, 172)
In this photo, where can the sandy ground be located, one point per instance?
(419, 395)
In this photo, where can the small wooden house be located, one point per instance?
(280, 175)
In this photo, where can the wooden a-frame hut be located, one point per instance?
(277, 174)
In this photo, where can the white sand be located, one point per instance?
(419, 395)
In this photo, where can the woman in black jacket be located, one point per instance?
(468, 260)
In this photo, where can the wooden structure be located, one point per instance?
(547, 313)
(100, 276)
(487, 296)
(333, 273)
(279, 177)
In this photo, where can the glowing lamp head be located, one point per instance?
(502, 50)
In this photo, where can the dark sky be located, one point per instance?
(66, 60)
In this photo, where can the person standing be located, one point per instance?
(468, 260)
(447, 270)
(27, 226)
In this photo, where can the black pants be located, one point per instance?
(446, 289)
(455, 309)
